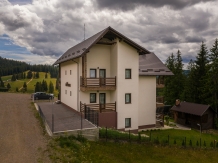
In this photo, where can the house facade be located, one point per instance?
(110, 74)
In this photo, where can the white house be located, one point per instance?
(114, 76)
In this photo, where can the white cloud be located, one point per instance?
(50, 27)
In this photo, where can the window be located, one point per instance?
(65, 72)
(70, 72)
(127, 122)
(127, 73)
(92, 97)
(65, 91)
(128, 98)
(70, 93)
(92, 73)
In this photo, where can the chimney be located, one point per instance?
(177, 102)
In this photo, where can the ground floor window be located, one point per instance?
(92, 97)
(127, 122)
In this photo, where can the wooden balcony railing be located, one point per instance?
(97, 83)
(107, 107)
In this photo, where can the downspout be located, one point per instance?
(77, 84)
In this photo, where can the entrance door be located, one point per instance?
(102, 100)
(102, 76)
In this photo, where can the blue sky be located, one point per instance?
(40, 31)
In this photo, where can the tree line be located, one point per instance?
(199, 85)
(10, 67)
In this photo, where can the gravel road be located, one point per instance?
(21, 137)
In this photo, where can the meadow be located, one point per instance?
(31, 83)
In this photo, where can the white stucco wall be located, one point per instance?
(147, 100)
(71, 79)
(99, 58)
(127, 58)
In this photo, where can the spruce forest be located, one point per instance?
(199, 85)
(12, 67)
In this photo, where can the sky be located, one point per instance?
(40, 31)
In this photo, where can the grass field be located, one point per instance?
(69, 149)
(178, 136)
(31, 85)
(5, 78)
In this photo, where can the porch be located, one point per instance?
(107, 107)
(91, 84)
(103, 115)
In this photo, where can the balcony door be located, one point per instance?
(102, 100)
(102, 76)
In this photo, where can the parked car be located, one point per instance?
(42, 95)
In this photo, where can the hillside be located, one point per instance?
(30, 83)
(10, 67)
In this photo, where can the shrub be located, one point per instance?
(190, 142)
(197, 143)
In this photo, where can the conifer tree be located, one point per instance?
(201, 74)
(8, 86)
(51, 87)
(24, 87)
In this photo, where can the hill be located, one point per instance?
(18, 84)
(10, 67)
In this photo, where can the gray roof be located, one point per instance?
(191, 108)
(151, 65)
(83, 47)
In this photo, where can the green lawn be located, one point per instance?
(69, 149)
(5, 78)
(178, 136)
(31, 86)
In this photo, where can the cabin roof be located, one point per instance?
(191, 108)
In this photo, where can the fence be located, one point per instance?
(114, 135)
(50, 132)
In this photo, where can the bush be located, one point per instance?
(167, 118)
(190, 143)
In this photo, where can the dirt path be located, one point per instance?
(21, 138)
(26, 83)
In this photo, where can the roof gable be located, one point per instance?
(83, 47)
(191, 108)
(151, 65)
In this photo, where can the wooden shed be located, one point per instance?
(194, 115)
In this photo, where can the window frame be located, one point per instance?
(129, 122)
(130, 71)
(70, 72)
(91, 99)
(90, 73)
(130, 100)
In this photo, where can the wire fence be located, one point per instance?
(106, 134)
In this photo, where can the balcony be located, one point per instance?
(97, 84)
(107, 107)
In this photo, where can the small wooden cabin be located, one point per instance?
(193, 115)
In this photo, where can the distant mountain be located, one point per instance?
(10, 67)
